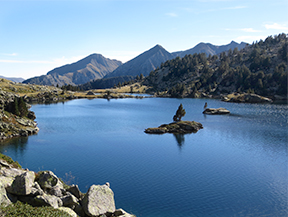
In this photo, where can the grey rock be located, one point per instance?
(122, 213)
(74, 189)
(98, 200)
(56, 191)
(4, 163)
(6, 181)
(36, 190)
(48, 179)
(69, 200)
(22, 184)
(4, 199)
(47, 200)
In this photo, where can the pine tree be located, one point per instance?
(179, 113)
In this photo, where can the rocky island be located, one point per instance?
(178, 126)
(216, 111)
(181, 127)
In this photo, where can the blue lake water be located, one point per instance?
(235, 166)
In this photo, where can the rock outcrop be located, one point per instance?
(216, 111)
(13, 122)
(46, 189)
(176, 127)
(246, 98)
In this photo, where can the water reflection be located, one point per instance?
(16, 145)
(180, 140)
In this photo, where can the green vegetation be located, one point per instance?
(259, 68)
(18, 107)
(26, 210)
(9, 160)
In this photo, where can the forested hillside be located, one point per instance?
(260, 68)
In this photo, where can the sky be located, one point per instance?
(37, 36)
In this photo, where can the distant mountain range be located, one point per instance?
(96, 66)
(18, 80)
(210, 49)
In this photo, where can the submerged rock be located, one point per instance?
(216, 111)
(176, 127)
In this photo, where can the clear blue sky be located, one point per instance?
(37, 36)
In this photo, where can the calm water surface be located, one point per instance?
(235, 166)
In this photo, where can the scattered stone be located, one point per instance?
(47, 190)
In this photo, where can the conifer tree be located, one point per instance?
(179, 113)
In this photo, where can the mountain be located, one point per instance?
(208, 49)
(260, 68)
(94, 66)
(18, 80)
(144, 63)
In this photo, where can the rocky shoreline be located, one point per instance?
(13, 125)
(46, 189)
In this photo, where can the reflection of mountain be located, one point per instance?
(180, 139)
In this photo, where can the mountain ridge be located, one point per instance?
(96, 66)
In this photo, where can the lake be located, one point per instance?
(235, 166)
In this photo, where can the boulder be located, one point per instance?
(69, 200)
(4, 199)
(3, 163)
(74, 189)
(13, 172)
(47, 200)
(48, 180)
(22, 184)
(36, 190)
(56, 191)
(6, 181)
(216, 111)
(98, 200)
